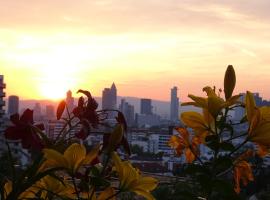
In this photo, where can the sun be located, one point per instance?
(55, 82)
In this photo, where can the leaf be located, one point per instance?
(85, 92)
(60, 109)
(226, 146)
(115, 138)
(229, 82)
(223, 163)
(121, 120)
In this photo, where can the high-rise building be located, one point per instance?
(109, 97)
(146, 106)
(37, 112)
(174, 105)
(13, 104)
(2, 103)
(128, 111)
(50, 112)
(70, 101)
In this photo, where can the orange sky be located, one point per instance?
(145, 46)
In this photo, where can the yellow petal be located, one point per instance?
(250, 106)
(146, 183)
(199, 101)
(74, 155)
(215, 104)
(193, 120)
(261, 134)
(91, 155)
(55, 158)
(145, 194)
(106, 194)
(209, 91)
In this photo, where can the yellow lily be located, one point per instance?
(259, 124)
(213, 103)
(29, 193)
(50, 184)
(73, 158)
(131, 179)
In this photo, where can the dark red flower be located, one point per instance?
(23, 130)
(87, 114)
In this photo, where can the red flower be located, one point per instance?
(87, 114)
(24, 130)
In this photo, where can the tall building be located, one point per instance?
(109, 97)
(2, 103)
(70, 100)
(146, 106)
(37, 112)
(13, 104)
(50, 112)
(128, 111)
(174, 105)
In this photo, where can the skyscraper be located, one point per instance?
(13, 104)
(2, 103)
(146, 106)
(37, 112)
(128, 112)
(50, 112)
(174, 105)
(70, 101)
(109, 97)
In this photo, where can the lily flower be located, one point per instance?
(182, 144)
(242, 171)
(259, 124)
(73, 158)
(23, 130)
(212, 103)
(51, 185)
(131, 179)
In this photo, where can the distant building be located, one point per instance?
(54, 128)
(37, 112)
(146, 106)
(2, 112)
(50, 112)
(128, 111)
(2, 103)
(13, 105)
(174, 105)
(240, 112)
(70, 101)
(109, 97)
(147, 121)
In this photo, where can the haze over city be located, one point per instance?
(146, 47)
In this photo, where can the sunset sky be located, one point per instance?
(144, 46)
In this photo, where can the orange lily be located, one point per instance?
(182, 144)
(259, 124)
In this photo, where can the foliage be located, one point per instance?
(63, 168)
(229, 170)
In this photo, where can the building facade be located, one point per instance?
(174, 107)
(2, 104)
(13, 104)
(146, 106)
(109, 97)
(128, 112)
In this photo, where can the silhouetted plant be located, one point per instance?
(229, 169)
(62, 168)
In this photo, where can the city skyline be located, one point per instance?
(88, 45)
